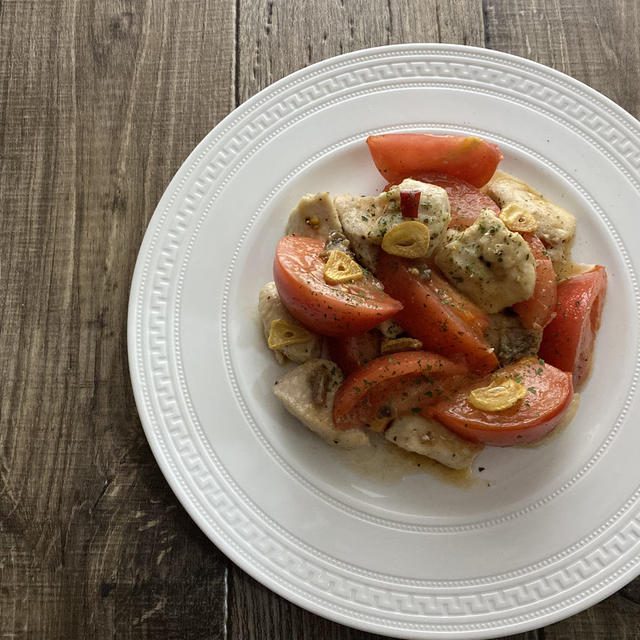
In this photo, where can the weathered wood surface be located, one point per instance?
(100, 102)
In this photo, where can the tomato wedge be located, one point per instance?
(402, 155)
(392, 385)
(352, 352)
(331, 310)
(567, 341)
(436, 314)
(466, 201)
(549, 393)
(537, 311)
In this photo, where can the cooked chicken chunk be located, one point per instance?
(308, 393)
(510, 339)
(390, 329)
(432, 439)
(493, 266)
(434, 211)
(314, 217)
(358, 215)
(556, 227)
(270, 308)
(336, 241)
(366, 219)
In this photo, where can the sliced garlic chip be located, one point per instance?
(407, 240)
(395, 345)
(501, 394)
(517, 218)
(282, 334)
(379, 424)
(341, 268)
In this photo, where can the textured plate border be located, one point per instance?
(605, 119)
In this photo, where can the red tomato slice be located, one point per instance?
(567, 341)
(537, 311)
(331, 310)
(401, 155)
(549, 394)
(352, 352)
(466, 201)
(437, 315)
(391, 385)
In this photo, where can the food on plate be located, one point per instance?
(465, 201)
(389, 386)
(329, 309)
(397, 345)
(273, 312)
(436, 314)
(517, 218)
(488, 263)
(368, 221)
(409, 239)
(340, 267)
(555, 226)
(540, 393)
(498, 395)
(403, 155)
(390, 329)
(568, 339)
(314, 217)
(352, 352)
(444, 313)
(308, 393)
(537, 311)
(510, 339)
(433, 440)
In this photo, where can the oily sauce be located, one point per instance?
(385, 462)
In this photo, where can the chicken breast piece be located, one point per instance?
(308, 393)
(358, 215)
(390, 329)
(366, 219)
(270, 308)
(491, 265)
(556, 226)
(433, 440)
(314, 217)
(510, 340)
(434, 211)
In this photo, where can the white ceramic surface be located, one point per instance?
(545, 531)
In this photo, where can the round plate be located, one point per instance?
(542, 532)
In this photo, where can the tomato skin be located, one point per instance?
(352, 352)
(526, 422)
(466, 201)
(330, 310)
(394, 384)
(538, 311)
(567, 341)
(437, 315)
(401, 155)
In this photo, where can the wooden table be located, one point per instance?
(100, 102)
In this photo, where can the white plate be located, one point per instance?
(545, 531)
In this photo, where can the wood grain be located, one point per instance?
(275, 39)
(100, 102)
(589, 41)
